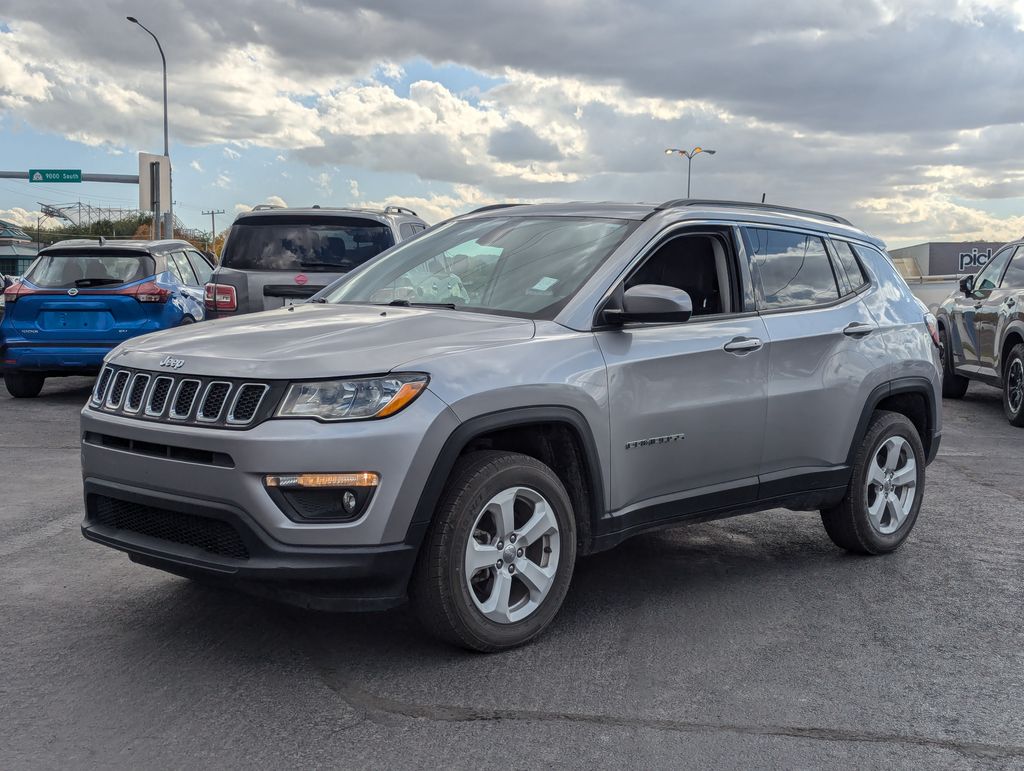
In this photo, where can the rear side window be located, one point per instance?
(311, 244)
(200, 266)
(847, 258)
(409, 229)
(794, 269)
(64, 270)
(184, 269)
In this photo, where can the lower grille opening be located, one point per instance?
(209, 535)
(157, 450)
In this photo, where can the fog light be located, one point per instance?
(349, 501)
(320, 481)
(322, 497)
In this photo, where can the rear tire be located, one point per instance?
(954, 386)
(1013, 386)
(23, 385)
(487, 607)
(886, 488)
(186, 320)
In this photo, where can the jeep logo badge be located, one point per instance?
(173, 363)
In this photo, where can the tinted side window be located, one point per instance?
(794, 268)
(1014, 278)
(988, 278)
(848, 260)
(184, 269)
(407, 230)
(200, 266)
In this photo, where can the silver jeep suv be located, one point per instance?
(460, 419)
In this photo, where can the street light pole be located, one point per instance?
(688, 154)
(167, 154)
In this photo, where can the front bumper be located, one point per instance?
(195, 538)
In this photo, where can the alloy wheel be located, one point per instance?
(512, 555)
(891, 485)
(1015, 385)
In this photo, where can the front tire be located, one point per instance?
(885, 491)
(498, 558)
(954, 386)
(23, 385)
(1013, 386)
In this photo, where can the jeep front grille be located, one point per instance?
(184, 399)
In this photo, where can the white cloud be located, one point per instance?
(22, 217)
(273, 200)
(223, 180)
(231, 154)
(323, 183)
(435, 207)
(196, 165)
(391, 70)
(353, 189)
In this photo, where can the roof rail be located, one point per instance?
(677, 202)
(494, 206)
(399, 210)
(265, 206)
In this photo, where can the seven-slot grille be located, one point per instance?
(187, 399)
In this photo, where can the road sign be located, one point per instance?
(54, 175)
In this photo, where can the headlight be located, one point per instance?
(352, 399)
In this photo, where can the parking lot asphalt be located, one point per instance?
(750, 642)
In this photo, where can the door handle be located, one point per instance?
(742, 345)
(858, 329)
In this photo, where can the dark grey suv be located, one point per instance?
(274, 256)
(982, 327)
(461, 418)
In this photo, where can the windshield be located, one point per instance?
(333, 244)
(524, 266)
(62, 270)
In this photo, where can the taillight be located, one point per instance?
(220, 297)
(933, 329)
(11, 293)
(151, 292)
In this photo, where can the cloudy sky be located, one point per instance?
(906, 116)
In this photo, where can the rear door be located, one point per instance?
(275, 260)
(83, 297)
(823, 355)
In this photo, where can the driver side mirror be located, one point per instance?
(967, 284)
(651, 303)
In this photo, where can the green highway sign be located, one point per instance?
(54, 175)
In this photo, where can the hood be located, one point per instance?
(319, 340)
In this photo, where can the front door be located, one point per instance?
(686, 400)
(995, 301)
(967, 306)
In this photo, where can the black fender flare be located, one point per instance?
(905, 385)
(493, 421)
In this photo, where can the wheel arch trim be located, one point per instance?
(477, 426)
(907, 385)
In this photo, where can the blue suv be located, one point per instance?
(79, 299)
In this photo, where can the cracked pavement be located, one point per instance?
(749, 642)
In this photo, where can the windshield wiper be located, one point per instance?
(407, 304)
(318, 264)
(96, 281)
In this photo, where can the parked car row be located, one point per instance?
(81, 298)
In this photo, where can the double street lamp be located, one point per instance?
(170, 203)
(688, 154)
